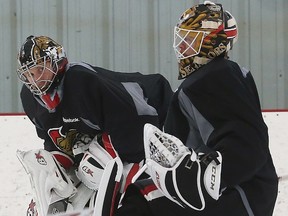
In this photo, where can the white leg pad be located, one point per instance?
(48, 179)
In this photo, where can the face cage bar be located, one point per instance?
(33, 87)
(180, 55)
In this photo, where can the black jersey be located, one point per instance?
(98, 101)
(218, 107)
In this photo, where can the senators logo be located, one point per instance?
(63, 142)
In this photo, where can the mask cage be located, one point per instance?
(40, 85)
(187, 43)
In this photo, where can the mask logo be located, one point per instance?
(217, 51)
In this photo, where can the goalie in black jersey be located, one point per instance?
(213, 158)
(91, 120)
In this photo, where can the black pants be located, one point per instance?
(134, 204)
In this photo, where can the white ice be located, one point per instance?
(17, 132)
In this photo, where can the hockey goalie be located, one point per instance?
(74, 107)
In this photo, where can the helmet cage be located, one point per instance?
(46, 58)
(40, 85)
(187, 43)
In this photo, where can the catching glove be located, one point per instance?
(186, 178)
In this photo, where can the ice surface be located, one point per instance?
(17, 132)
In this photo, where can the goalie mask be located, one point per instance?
(42, 63)
(199, 37)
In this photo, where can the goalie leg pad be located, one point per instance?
(90, 171)
(49, 181)
(101, 170)
(188, 180)
(95, 163)
(108, 194)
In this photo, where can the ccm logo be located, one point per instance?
(213, 177)
(87, 170)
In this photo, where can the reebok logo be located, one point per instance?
(70, 120)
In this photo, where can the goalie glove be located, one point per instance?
(81, 144)
(50, 184)
(186, 178)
